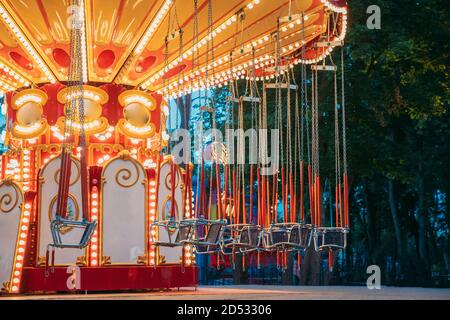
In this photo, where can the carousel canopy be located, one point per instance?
(139, 43)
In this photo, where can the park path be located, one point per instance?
(264, 293)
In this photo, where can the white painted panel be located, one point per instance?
(124, 213)
(49, 177)
(11, 201)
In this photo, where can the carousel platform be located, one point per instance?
(110, 278)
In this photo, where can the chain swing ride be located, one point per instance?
(235, 232)
(95, 91)
(75, 113)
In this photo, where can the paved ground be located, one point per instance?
(265, 293)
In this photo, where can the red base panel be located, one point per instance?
(110, 278)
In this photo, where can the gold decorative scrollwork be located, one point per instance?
(106, 148)
(106, 260)
(168, 180)
(142, 259)
(124, 175)
(50, 148)
(73, 212)
(77, 176)
(8, 201)
(81, 261)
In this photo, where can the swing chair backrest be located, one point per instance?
(184, 232)
(214, 232)
(330, 238)
(301, 235)
(279, 235)
(250, 236)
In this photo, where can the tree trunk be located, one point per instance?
(370, 226)
(287, 278)
(310, 270)
(240, 276)
(422, 221)
(396, 222)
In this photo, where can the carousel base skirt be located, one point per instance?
(108, 278)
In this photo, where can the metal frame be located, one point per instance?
(204, 244)
(321, 242)
(289, 243)
(240, 238)
(59, 223)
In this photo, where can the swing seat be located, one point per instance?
(173, 238)
(278, 236)
(289, 236)
(205, 235)
(59, 223)
(211, 242)
(330, 238)
(301, 236)
(242, 238)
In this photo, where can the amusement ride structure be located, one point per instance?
(91, 197)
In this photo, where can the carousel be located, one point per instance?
(91, 197)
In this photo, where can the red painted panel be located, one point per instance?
(111, 278)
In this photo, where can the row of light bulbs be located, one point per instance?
(152, 195)
(139, 99)
(86, 95)
(82, 21)
(251, 44)
(152, 79)
(153, 27)
(239, 72)
(94, 216)
(28, 98)
(106, 135)
(147, 36)
(21, 247)
(26, 169)
(6, 86)
(26, 44)
(334, 8)
(14, 74)
(330, 48)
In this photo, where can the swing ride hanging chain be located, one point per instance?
(278, 91)
(344, 124)
(336, 135)
(317, 125)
